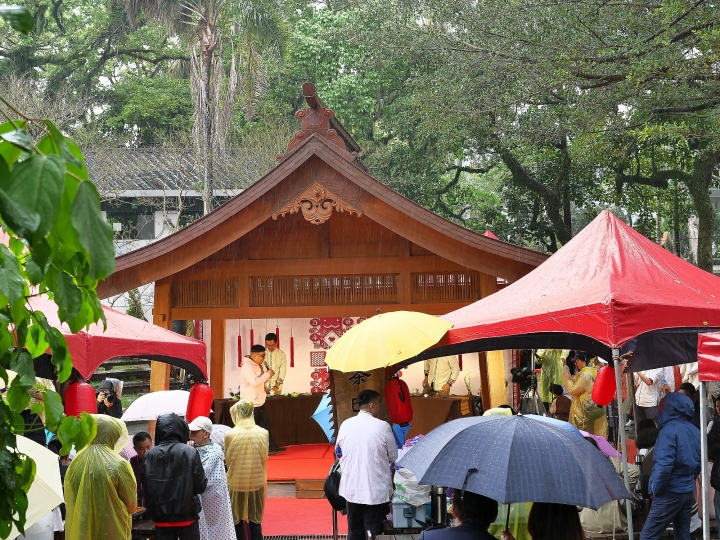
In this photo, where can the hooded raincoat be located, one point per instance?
(552, 364)
(100, 489)
(246, 454)
(173, 473)
(216, 519)
(676, 455)
(584, 414)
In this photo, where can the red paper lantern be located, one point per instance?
(397, 401)
(80, 398)
(200, 401)
(604, 388)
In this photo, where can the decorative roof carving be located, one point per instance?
(316, 204)
(315, 120)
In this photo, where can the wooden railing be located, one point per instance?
(206, 293)
(323, 290)
(445, 287)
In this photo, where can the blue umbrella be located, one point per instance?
(515, 459)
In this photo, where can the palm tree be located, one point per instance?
(253, 34)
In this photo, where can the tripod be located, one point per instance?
(530, 402)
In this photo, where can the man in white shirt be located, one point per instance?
(689, 373)
(275, 358)
(254, 373)
(648, 389)
(367, 450)
(441, 373)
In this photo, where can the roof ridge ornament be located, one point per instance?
(316, 204)
(315, 120)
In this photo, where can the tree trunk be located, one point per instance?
(699, 187)
(209, 40)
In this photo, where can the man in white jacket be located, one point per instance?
(367, 450)
(254, 373)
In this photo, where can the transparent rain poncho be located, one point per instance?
(584, 414)
(551, 361)
(246, 454)
(100, 488)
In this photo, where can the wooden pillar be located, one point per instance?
(217, 357)
(484, 381)
(488, 285)
(162, 317)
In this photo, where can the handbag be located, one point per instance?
(332, 488)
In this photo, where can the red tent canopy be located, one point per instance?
(125, 336)
(605, 287)
(708, 351)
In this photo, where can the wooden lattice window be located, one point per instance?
(445, 287)
(206, 293)
(323, 290)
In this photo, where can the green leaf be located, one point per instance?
(17, 396)
(54, 410)
(36, 185)
(19, 138)
(20, 220)
(37, 344)
(19, 17)
(61, 142)
(80, 431)
(95, 234)
(69, 300)
(12, 284)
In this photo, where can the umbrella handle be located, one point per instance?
(507, 520)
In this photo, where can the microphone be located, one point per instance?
(267, 368)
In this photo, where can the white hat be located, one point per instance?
(201, 423)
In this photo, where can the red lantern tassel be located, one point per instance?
(277, 333)
(292, 351)
(460, 361)
(252, 337)
(239, 351)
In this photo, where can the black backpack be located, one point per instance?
(332, 488)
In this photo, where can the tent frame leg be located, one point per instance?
(623, 439)
(704, 461)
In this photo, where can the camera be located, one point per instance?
(522, 375)
(110, 396)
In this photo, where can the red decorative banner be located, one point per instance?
(277, 333)
(292, 351)
(239, 350)
(460, 361)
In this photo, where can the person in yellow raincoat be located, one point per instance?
(551, 361)
(100, 489)
(584, 414)
(246, 454)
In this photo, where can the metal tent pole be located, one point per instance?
(704, 461)
(623, 440)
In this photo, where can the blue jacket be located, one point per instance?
(676, 461)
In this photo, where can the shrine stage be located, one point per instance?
(300, 471)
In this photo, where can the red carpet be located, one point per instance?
(293, 517)
(302, 462)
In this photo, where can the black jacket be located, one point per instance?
(173, 474)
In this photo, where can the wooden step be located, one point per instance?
(110, 364)
(310, 495)
(310, 485)
(142, 373)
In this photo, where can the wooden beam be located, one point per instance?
(217, 357)
(311, 267)
(488, 285)
(309, 312)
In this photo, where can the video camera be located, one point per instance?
(524, 374)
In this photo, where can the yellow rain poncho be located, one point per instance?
(551, 361)
(584, 414)
(246, 454)
(100, 489)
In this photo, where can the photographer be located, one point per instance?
(108, 398)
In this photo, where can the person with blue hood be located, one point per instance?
(675, 468)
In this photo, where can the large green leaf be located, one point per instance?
(21, 220)
(20, 138)
(95, 234)
(12, 284)
(19, 17)
(54, 410)
(36, 185)
(69, 299)
(80, 431)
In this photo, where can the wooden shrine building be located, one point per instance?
(315, 237)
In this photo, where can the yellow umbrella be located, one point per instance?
(384, 340)
(46, 490)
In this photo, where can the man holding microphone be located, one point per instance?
(254, 374)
